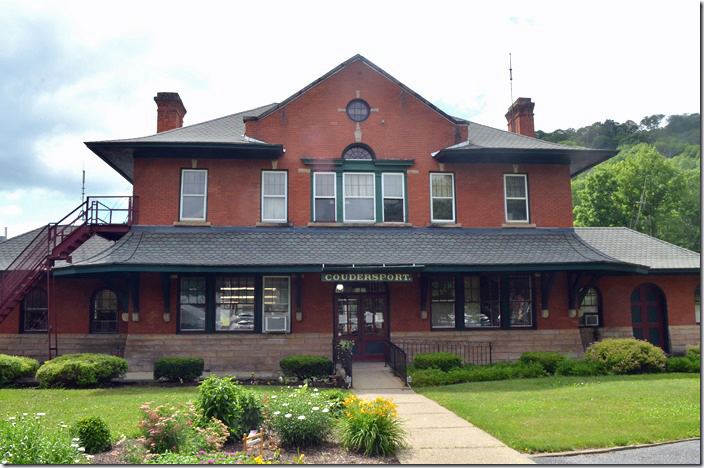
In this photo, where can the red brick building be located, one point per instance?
(353, 209)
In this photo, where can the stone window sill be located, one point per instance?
(274, 225)
(386, 225)
(192, 223)
(444, 225)
(518, 225)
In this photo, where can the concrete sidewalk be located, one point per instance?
(436, 435)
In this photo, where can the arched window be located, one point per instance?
(103, 312)
(35, 311)
(590, 309)
(697, 305)
(358, 152)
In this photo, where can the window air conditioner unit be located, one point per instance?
(276, 324)
(591, 320)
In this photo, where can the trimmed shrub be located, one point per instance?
(302, 418)
(178, 369)
(682, 364)
(580, 368)
(14, 367)
(305, 366)
(499, 371)
(93, 433)
(429, 378)
(627, 356)
(80, 370)
(442, 360)
(548, 360)
(239, 408)
(694, 352)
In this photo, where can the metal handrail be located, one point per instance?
(396, 359)
(476, 352)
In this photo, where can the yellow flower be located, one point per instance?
(258, 460)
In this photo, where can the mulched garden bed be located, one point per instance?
(329, 453)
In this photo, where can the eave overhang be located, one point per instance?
(120, 155)
(578, 160)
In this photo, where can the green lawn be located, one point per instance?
(555, 414)
(118, 406)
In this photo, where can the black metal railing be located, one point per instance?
(396, 359)
(474, 352)
(343, 356)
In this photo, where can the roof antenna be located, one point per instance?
(83, 187)
(510, 76)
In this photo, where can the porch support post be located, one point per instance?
(134, 291)
(546, 282)
(423, 296)
(119, 292)
(166, 291)
(572, 285)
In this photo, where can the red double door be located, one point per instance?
(648, 316)
(362, 318)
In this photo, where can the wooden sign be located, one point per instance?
(368, 277)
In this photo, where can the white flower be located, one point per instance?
(315, 389)
(24, 414)
(315, 408)
(277, 412)
(74, 445)
(325, 410)
(273, 396)
(89, 456)
(310, 402)
(10, 418)
(284, 404)
(41, 414)
(288, 415)
(81, 449)
(75, 439)
(301, 417)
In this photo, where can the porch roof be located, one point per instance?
(169, 248)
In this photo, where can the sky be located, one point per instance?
(77, 71)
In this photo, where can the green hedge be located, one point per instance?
(178, 369)
(441, 360)
(683, 364)
(627, 356)
(548, 360)
(580, 367)
(694, 352)
(80, 370)
(499, 371)
(306, 366)
(14, 367)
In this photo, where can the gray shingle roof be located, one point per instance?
(12, 247)
(634, 247)
(228, 129)
(165, 245)
(481, 137)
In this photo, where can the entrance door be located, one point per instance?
(361, 317)
(648, 315)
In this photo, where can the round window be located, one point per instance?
(358, 110)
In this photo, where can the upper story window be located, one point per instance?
(274, 196)
(324, 190)
(103, 317)
(442, 197)
(358, 153)
(516, 197)
(358, 110)
(589, 309)
(194, 194)
(35, 311)
(393, 196)
(359, 197)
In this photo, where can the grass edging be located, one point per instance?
(610, 449)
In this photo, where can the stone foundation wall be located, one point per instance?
(35, 345)
(683, 336)
(615, 332)
(234, 353)
(508, 345)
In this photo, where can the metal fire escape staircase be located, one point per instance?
(57, 241)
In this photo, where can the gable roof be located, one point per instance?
(635, 247)
(355, 58)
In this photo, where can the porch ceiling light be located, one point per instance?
(339, 288)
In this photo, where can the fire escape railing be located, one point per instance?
(56, 241)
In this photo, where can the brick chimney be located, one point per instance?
(170, 111)
(520, 117)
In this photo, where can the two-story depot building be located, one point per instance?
(354, 209)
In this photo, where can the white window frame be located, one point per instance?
(345, 197)
(284, 196)
(325, 197)
(507, 198)
(288, 299)
(432, 215)
(205, 196)
(402, 197)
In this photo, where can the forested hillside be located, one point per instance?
(652, 185)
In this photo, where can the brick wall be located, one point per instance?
(312, 126)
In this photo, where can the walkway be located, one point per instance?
(436, 435)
